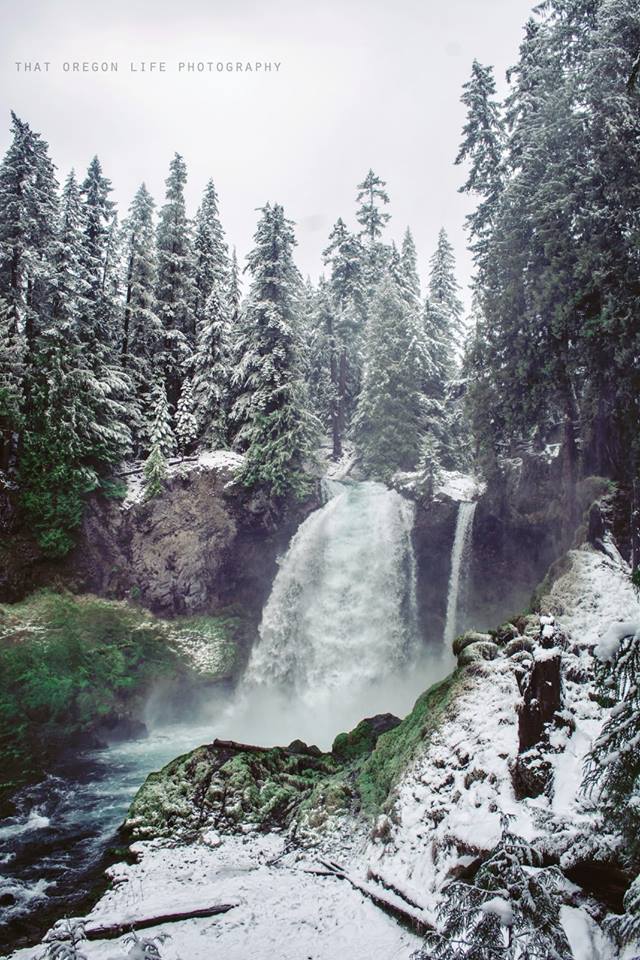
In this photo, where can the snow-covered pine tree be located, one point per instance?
(509, 912)
(161, 441)
(141, 329)
(372, 217)
(408, 273)
(388, 420)
(235, 290)
(322, 360)
(612, 768)
(186, 422)
(271, 413)
(28, 214)
(99, 226)
(442, 331)
(482, 146)
(174, 293)
(212, 374)
(372, 196)
(76, 427)
(11, 385)
(344, 324)
(210, 253)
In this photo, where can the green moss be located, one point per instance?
(70, 666)
(395, 749)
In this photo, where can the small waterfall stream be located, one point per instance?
(460, 558)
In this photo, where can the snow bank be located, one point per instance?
(205, 460)
(284, 909)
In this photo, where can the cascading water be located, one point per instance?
(343, 605)
(460, 559)
(339, 635)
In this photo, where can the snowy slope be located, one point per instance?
(443, 813)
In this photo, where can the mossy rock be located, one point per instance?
(475, 652)
(465, 639)
(361, 741)
(227, 784)
(505, 633)
(518, 644)
(394, 750)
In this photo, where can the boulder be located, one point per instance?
(478, 651)
(466, 639)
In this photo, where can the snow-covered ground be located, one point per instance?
(206, 460)
(444, 812)
(450, 484)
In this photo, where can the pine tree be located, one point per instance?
(371, 196)
(612, 768)
(212, 370)
(174, 292)
(141, 329)
(388, 420)
(235, 290)
(482, 146)
(509, 912)
(28, 214)
(372, 217)
(11, 386)
(344, 325)
(210, 253)
(442, 329)
(274, 424)
(408, 273)
(161, 441)
(98, 324)
(322, 360)
(186, 422)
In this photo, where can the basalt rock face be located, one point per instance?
(434, 530)
(204, 543)
(518, 533)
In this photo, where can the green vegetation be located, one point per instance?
(230, 786)
(76, 666)
(395, 749)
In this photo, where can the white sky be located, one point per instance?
(363, 83)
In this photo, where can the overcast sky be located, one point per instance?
(361, 84)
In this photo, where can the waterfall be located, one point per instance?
(460, 558)
(343, 609)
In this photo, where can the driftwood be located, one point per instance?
(113, 930)
(404, 917)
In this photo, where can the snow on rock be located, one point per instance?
(446, 808)
(592, 593)
(450, 484)
(206, 460)
(459, 486)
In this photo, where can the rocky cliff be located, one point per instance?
(203, 544)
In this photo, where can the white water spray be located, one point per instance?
(460, 559)
(343, 605)
(339, 637)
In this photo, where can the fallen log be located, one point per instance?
(112, 931)
(405, 917)
(240, 747)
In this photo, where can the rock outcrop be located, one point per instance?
(203, 544)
